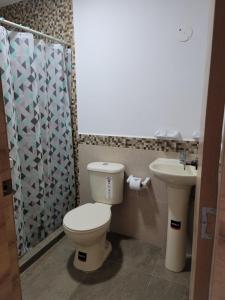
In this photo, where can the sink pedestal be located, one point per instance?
(179, 180)
(178, 199)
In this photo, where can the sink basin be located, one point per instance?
(179, 181)
(173, 172)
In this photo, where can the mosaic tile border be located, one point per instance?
(139, 143)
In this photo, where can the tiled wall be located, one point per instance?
(140, 143)
(54, 17)
(142, 215)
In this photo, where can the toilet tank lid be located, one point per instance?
(105, 167)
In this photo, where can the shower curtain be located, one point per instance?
(35, 78)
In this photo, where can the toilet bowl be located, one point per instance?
(87, 224)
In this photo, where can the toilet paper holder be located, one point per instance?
(143, 182)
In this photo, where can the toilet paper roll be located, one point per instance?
(135, 183)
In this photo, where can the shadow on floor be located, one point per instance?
(108, 270)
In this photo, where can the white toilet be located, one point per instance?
(87, 224)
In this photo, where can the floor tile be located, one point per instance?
(51, 274)
(160, 271)
(134, 270)
(119, 287)
(132, 254)
(161, 289)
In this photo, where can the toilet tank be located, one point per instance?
(106, 182)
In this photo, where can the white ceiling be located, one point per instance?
(7, 2)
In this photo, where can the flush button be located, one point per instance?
(105, 164)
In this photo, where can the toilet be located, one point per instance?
(88, 224)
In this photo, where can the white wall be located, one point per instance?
(133, 75)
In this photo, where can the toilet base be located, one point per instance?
(91, 258)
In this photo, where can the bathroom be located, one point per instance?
(108, 124)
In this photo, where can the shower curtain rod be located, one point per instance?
(28, 29)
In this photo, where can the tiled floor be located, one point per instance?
(135, 271)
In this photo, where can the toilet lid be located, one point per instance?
(87, 217)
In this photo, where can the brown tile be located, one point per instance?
(139, 143)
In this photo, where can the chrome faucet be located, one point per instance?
(183, 157)
(185, 162)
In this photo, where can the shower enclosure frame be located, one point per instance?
(9, 265)
(35, 32)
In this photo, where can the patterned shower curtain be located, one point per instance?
(35, 78)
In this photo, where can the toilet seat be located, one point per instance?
(87, 217)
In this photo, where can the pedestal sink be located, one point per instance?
(179, 181)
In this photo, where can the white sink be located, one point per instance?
(173, 172)
(178, 181)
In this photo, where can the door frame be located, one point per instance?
(209, 152)
(217, 283)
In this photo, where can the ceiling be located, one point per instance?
(7, 2)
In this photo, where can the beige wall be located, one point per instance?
(142, 215)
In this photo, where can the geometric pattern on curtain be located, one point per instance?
(35, 78)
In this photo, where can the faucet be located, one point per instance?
(185, 162)
(183, 157)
